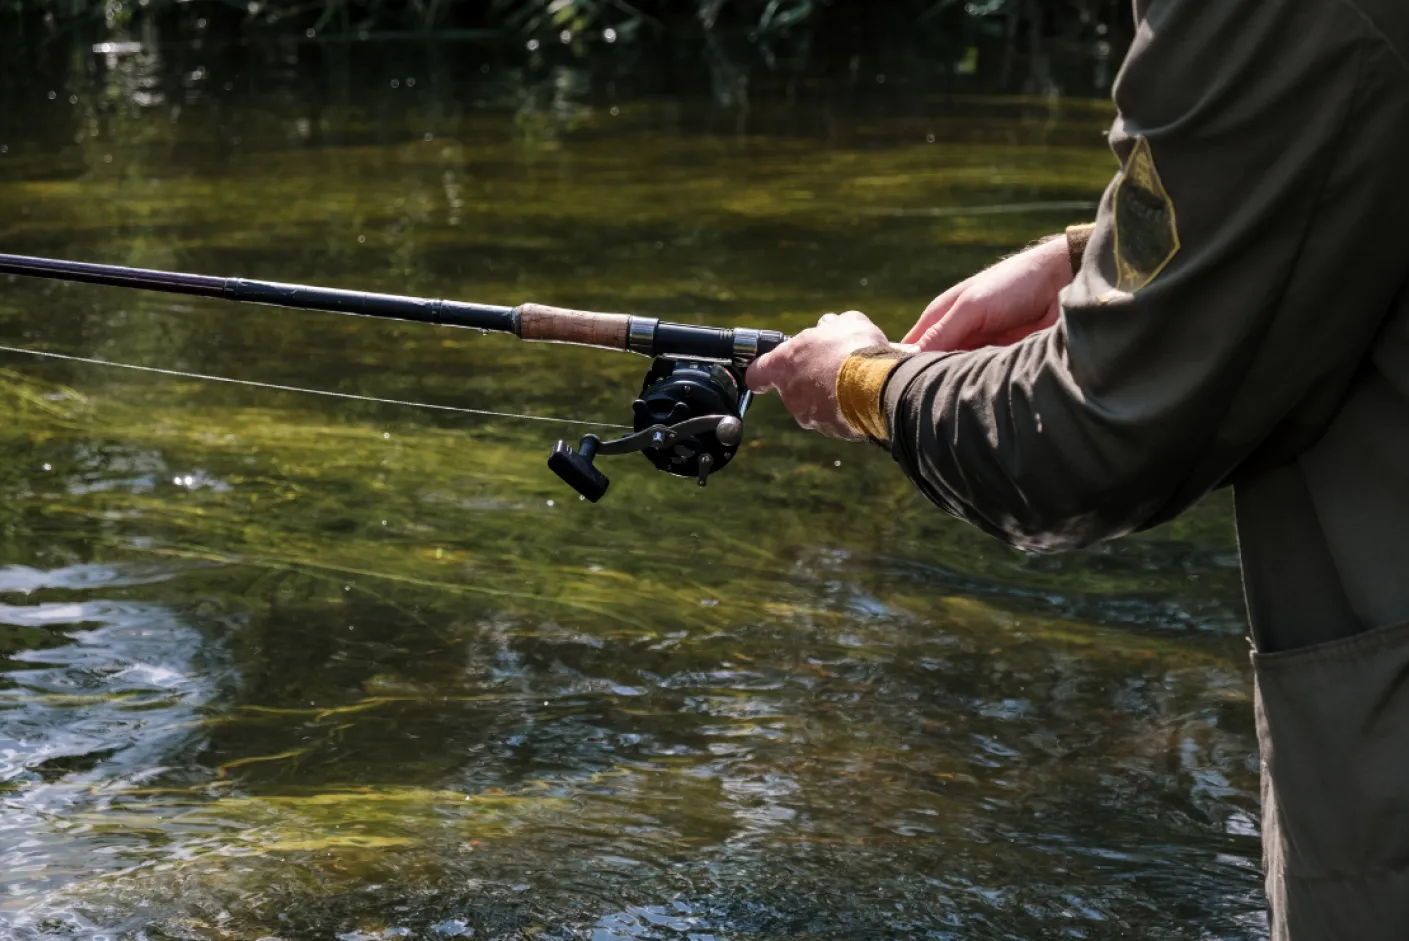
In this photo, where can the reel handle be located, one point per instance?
(578, 472)
(576, 467)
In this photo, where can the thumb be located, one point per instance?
(762, 375)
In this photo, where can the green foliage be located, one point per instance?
(760, 19)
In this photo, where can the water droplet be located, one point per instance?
(551, 503)
(310, 32)
(107, 158)
(615, 111)
(47, 467)
(384, 521)
(609, 34)
(73, 99)
(865, 281)
(929, 138)
(386, 434)
(880, 79)
(396, 83)
(428, 136)
(836, 464)
(361, 240)
(484, 69)
(411, 82)
(533, 45)
(53, 95)
(565, 36)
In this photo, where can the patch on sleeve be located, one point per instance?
(1146, 236)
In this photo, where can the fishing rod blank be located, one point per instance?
(648, 336)
(687, 419)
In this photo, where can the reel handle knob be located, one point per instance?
(576, 467)
(730, 431)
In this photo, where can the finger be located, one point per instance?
(759, 375)
(801, 400)
(935, 312)
(766, 373)
(790, 405)
(965, 324)
(845, 432)
(1009, 337)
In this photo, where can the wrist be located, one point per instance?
(1051, 255)
(861, 385)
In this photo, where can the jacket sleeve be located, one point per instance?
(1186, 340)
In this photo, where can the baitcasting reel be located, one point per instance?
(689, 418)
(688, 422)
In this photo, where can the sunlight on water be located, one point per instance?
(275, 666)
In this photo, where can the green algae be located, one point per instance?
(393, 674)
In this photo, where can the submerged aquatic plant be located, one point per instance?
(276, 665)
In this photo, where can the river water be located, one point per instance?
(278, 666)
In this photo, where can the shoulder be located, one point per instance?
(1389, 21)
(1251, 65)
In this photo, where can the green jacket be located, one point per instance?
(1241, 316)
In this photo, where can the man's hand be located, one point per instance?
(804, 370)
(999, 305)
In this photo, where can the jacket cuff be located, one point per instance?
(860, 387)
(1077, 237)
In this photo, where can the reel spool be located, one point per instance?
(688, 422)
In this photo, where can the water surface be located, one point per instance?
(281, 666)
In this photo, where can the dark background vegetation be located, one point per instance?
(1041, 47)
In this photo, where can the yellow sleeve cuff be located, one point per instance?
(860, 385)
(1077, 238)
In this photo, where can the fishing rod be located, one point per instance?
(687, 420)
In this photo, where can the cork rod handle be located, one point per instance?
(583, 327)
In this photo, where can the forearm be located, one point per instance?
(1006, 439)
(1194, 328)
(1055, 260)
(1002, 438)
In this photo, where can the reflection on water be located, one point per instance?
(274, 666)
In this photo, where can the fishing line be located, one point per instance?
(688, 417)
(282, 388)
